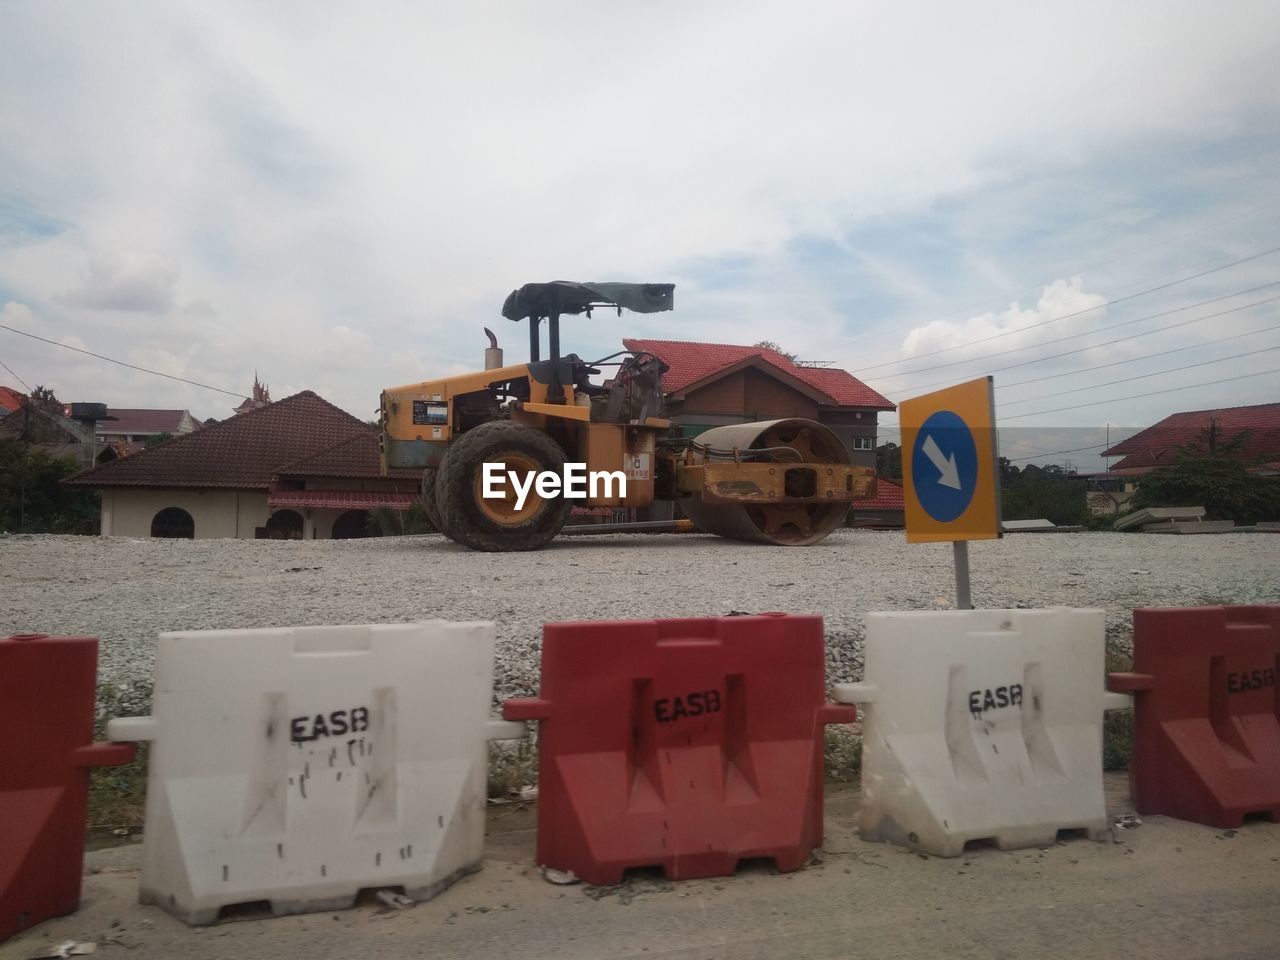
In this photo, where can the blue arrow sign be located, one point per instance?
(944, 466)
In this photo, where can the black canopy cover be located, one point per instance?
(562, 296)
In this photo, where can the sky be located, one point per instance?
(338, 197)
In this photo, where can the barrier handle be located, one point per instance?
(504, 730)
(131, 729)
(837, 713)
(526, 708)
(1130, 682)
(103, 754)
(855, 692)
(1116, 701)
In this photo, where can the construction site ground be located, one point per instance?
(1161, 889)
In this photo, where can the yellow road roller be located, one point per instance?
(506, 452)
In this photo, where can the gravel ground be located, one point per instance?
(126, 591)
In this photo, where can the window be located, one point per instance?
(173, 523)
(863, 443)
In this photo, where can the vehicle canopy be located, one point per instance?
(538, 300)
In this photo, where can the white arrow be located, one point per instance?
(946, 465)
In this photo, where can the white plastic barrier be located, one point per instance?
(982, 725)
(300, 765)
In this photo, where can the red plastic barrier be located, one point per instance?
(1207, 739)
(47, 689)
(685, 744)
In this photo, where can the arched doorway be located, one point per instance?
(173, 523)
(351, 525)
(285, 525)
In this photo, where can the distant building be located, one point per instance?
(1249, 434)
(261, 397)
(1108, 492)
(10, 400)
(43, 424)
(299, 468)
(127, 429)
(886, 510)
(713, 384)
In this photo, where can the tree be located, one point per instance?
(771, 345)
(889, 461)
(1050, 492)
(1223, 486)
(33, 498)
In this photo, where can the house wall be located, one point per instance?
(748, 395)
(851, 424)
(217, 513)
(769, 399)
(724, 396)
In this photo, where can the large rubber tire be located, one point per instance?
(430, 480)
(428, 496)
(465, 517)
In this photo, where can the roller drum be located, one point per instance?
(795, 525)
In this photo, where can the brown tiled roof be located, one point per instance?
(1159, 444)
(689, 363)
(353, 456)
(138, 421)
(242, 453)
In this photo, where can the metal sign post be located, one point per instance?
(960, 553)
(951, 480)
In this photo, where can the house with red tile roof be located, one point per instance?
(1250, 434)
(10, 400)
(299, 468)
(712, 384)
(886, 510)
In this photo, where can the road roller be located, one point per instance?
(505, 453)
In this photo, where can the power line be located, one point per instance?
(1054, 453)
(1087, 333)
(1118, 339)
(1077, 313)
(15, 376)
(1136, 396)
(131, 366)
(1149, 356)
(1143, 376)
(1124, 256)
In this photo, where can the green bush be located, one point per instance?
(33, 498)
(1223, 486)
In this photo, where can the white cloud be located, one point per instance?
(390, 176)
(1064, 309)
(132, 282)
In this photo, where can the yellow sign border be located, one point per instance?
(974, 403)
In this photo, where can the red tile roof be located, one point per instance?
(691, 363)
(10, 399)
(888, 497)
(353, 456)
(1159, 445)
(242, 453)
(340, 499)
(139, 421)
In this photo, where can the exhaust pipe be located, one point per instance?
(493, 352)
